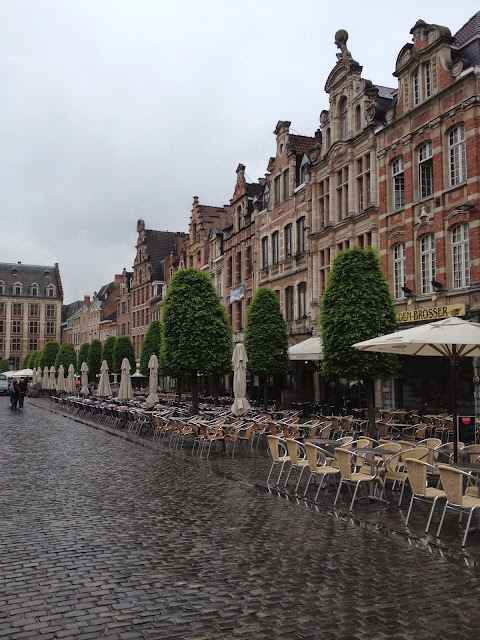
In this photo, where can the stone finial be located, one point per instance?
(140, 225)
(341, 38)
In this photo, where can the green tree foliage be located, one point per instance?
(35, 359)
(107, 351)
(83, 355)
(66, 356)
(357, 306)
(196, 334)
(49, 354)
(266, 338)
(3, 365)
(151, 344)
(26, 361)
(123, 349)
(94, 361)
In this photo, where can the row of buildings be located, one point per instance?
(396, 168)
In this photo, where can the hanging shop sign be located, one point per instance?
(237, 294)
(431, 313)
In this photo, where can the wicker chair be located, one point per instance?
(278, 452)
(349, 476)
(298, 460)
(417, 476)
(318, 466)
(457, 500)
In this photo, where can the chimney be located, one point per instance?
(86, 300)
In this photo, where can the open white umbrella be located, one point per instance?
(152, 397)
(104, 389)
(452, 338)
(125, 391)
(240, 405)
(84, 371)
(71, 379)
(45, 378)
(60, 387)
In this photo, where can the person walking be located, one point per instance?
(14, 391)
(22, 385)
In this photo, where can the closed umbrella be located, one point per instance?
(71, 379)
(45, 378)
(452, 338)
(84, 371)
(104, 389)
(52, 383)
(125, 391)
(60, 387)
(152, 397)
(240, 405)
(34, 376)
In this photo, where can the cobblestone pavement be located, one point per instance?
(101, 538)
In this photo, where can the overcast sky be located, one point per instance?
(114, 110)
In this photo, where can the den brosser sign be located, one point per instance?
(431, 313)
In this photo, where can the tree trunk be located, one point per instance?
(215, 389)
(179, 389)
(370, 400)
(265, 392)
(194, 381)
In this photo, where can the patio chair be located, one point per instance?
(457, 500)
(318, 467)
(395, 468)
(417, 476)
(415, 432)
(242, 433)
(298, 460)
(278, 452)
(350, 476)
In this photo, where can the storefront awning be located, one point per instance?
(310, 349)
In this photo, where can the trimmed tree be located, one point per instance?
(66, 356)
(151, 344)
(3, 365)
(49, 354)
(34, 359)
(266, 338)
(26, 361)
(356, 306)
(107, 351)
(83, 355)
(94, 361)
(196, 334)
(123, 349)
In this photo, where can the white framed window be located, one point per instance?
(301, 235)
(399, 270)
(425, 170)
(457, 155)
(275, 247)
(265, 252)
(50, 291)
(2, 287)
(34, 289)
(416, 87)
(460, 256)
(427, 79)
(17, 289)
(398, 183)
(427, 259)
(302, 300)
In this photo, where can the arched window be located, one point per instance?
(194, 231)
(328, 139)
(343, 113)
(427, 258)
(17, 289)
(399, 270)
(302, 300)
(34, 288)
(358, 118)
(460, 256)
(2, 287)
(398, 183)
(289, 304)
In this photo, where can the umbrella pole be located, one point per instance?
(454, 363)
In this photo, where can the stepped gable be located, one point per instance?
(213, 216)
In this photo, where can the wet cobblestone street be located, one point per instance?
(102, 538)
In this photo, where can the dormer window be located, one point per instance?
(50, 291)
(2, 287)
(422, 83)
(34, 288)
(17, 289)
